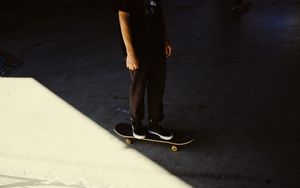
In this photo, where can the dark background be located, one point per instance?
(233, 78)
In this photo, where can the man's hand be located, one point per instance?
(132, 62)
(168, 49)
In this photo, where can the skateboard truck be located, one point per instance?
(173, 148)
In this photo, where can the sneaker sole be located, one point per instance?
(137, 136)
(160, 136)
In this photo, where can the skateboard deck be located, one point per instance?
(180, 137)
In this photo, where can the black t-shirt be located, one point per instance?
(146, 24)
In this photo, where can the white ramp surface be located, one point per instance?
(45, 142)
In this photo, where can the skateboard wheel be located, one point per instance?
(174, 148)
(128, 141)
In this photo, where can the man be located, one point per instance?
(145, 45)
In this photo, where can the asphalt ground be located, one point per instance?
(233, 78)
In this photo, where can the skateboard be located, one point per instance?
(180, 138)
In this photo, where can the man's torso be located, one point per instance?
(146, 24)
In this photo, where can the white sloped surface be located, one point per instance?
(43, 137)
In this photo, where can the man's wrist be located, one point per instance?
(130, 52)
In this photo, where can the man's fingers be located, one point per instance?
(132, 63)
(132, 66)
(168, 51)
(135, 66)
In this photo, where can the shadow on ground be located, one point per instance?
(233, 79)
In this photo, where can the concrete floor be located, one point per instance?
(232, 78)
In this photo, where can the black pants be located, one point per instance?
(148, 79)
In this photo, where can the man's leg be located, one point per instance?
(155, 89)
(156, 86)
(136, 100)
(136, 94)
